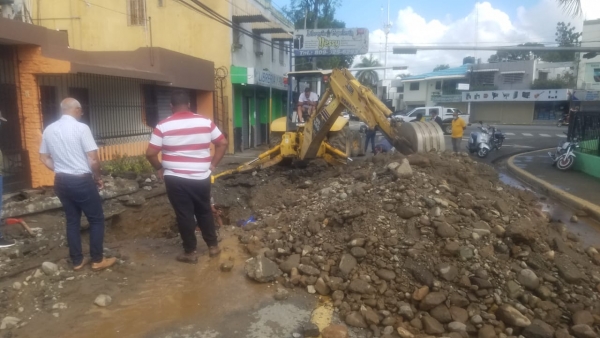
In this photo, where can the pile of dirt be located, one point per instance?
(438, 247)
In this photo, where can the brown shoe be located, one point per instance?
(213, 251)
(84, 262)
(105, 263)
(191, 258)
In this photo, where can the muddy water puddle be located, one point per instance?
(587, 229)
(196, 301)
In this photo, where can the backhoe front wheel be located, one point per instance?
(275, 138)
(340, 140)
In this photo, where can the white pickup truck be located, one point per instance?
(444, 112)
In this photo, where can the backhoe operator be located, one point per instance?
(307, 103)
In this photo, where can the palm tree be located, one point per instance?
(571, 6)
(368, 78)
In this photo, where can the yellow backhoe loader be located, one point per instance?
(327, 134)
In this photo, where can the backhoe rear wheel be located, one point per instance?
(340, 140)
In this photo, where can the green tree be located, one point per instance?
(505, 56)
(565, 36)
(440, 67)
(317, 14)
(368, 78)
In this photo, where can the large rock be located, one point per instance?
(486, 331)
(538, 329)
(261, 269)
(347, 263)
(418, 160)
(441, 314)
(335, 331)
(402, 169)
(322, 288)
(583, 331)
(49, 268)
(502, 206)
(355, 319)
(103, 300)
(459, 314)
(432, 300)
(371, 317)
(387, 275)
(361, 286)
(568, 271)
(432, 326)
(9, 323)
(308, 270)
(528, 279)
(358, 252)
(408, 212)
(512, 317)
(583, 317)
(445, 230)
(521, 232)
(291, 262)
(420, 273)
(447, 271)
(457, 327)
(405, 310)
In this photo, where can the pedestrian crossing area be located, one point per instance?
(535, 135)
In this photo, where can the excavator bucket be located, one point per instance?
(420, 137)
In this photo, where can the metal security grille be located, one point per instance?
(585, 126)
(14, 165)
(113, 107)
(513, 78)
(221, 112)
(136, 12)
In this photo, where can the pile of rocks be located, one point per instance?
(430, 244)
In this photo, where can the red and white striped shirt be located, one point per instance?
(184, 139)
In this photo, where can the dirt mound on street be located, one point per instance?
(430, 244)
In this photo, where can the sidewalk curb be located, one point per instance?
(550, 190)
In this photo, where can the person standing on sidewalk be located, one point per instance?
(184, 139)
(68, 148)
(4, 243)
(458, 128)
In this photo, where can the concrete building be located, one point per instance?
(259, 64)
(391, 92)
(120, 59)
(499, 92)
(588, 69)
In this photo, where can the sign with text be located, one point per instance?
(592, 76)
(331, 41)
(266, 79)
(517, 95)
(586, 95)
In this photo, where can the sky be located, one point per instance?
(439, 22)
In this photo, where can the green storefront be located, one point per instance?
(259, 97)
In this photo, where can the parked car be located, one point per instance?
(446, 113)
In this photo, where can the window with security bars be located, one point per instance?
(484, 78)
(136, 12)
(513, 78)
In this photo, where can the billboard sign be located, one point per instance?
(538, 95)
(331, 41)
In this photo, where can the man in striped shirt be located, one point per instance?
(184, 139)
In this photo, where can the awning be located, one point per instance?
(267, 28)
(513, 72)
(484, 70)
(244, 12)
(282, 37)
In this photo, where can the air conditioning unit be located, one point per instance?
(236, 46)
(259, 53)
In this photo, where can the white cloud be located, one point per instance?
(493, 27)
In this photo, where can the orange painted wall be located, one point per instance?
(31, 62)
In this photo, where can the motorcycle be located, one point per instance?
(487, 139)
(563, 121)
(564, 157)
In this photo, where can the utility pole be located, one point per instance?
(316, 10)
(386, 28)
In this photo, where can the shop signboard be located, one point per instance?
(266, 79)
(537, 95)
(331, 41)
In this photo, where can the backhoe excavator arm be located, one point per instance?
(345, 92)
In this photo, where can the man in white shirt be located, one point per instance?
(68, 148)
(307, 103)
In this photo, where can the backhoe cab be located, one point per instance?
(326, 134)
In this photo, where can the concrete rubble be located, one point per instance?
(426, 245)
